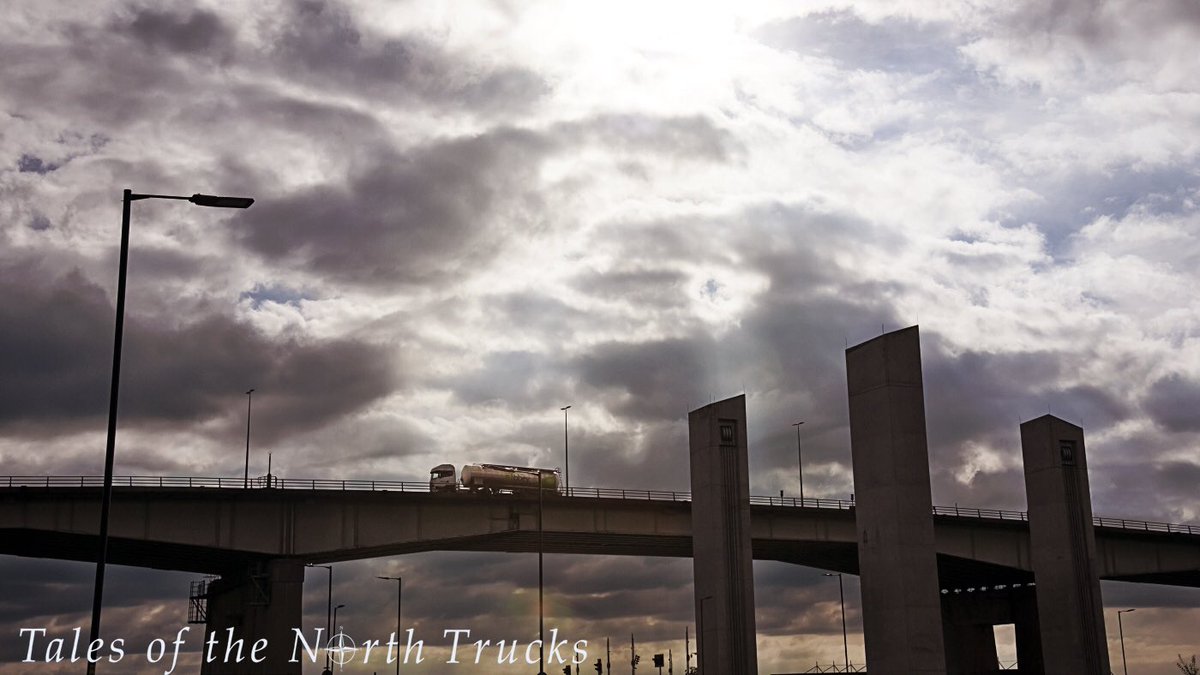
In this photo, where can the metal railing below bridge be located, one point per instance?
(278, 483)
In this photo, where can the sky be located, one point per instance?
(471, 214)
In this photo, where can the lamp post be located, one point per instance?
(1121, 630)
(328, 608)
(541, 608)
(128, 197)
(845, 641)
(249, 398)
(800, 456)
(700, 636)
(399, 598)
(335, 609)
(566, 453)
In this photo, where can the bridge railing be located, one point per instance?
(202, 482)
(275, 482)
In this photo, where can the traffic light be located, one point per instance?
(658, 661)
(600, 666)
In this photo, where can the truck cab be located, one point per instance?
(442, 479)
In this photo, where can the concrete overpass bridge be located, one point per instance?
(215, 526)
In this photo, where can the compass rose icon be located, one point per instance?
(341, 648)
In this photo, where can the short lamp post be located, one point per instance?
(800, 458)
(566, 454)
(1121, 630)
(246, 480)
(106, 499)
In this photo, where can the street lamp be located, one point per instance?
(1121, 629)
(328, 609)
(128, 197)
(845, 641)
(541, 607)
(399, 598)
(800, 454)
(566, 453)
(335, 609)
(249, 398)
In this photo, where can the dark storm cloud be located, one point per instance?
(322, 42)
(654, 380)
(198, 31)
(692, 137)
(32, 164)
(982, 398)
(140, 604)
(518, 380)
(55, 360)
(65, 587)
(642, 287)
(142, 62)
(427, 213)
(892, 44)
(1173, 402)
(1101, 23)
(409, 217)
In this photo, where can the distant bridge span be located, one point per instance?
(211, 525)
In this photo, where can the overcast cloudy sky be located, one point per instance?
(471, 214)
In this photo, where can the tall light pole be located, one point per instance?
(541, 607)
(800, 456)
(1121, 629)
(128, 197)
(566, 453)
(249, 398)
(845, 641)
(328, 609)
(399, 598)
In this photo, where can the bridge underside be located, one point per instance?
(954, 572)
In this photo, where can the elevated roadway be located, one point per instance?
(211, 525)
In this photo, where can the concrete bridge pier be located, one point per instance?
(1063, 547)
(721, 548)
(263, 602)
(968, 628)
(897, 553)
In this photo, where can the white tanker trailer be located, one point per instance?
(491, 478)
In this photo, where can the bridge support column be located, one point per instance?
(1028, 634)
(1063, 548)
(902, 617)
(969, 621)
(264, 602)
(721, 551)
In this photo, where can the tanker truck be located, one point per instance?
(492, 478)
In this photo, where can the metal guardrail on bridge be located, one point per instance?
(275, 482)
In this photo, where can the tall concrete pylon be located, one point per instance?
(897, 558)
(1063, 548)
(722, 557)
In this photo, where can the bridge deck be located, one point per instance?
(215, 524)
